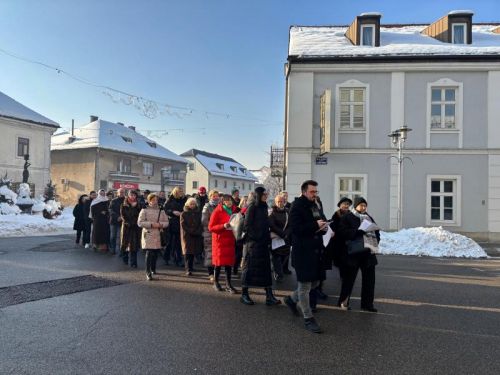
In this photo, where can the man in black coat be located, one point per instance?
(88, 221)
(307, 227)
(115, 220)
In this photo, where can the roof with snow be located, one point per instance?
(10, 108)
(115, 137)
(218, 165)
(330, 42)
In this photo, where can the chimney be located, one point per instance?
(132, 127)
(455, 28)
(93, 118)
(365, 30)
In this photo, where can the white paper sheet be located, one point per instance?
(277, 242)
(368, 226)
(327, 236)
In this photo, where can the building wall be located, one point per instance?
(401, 98)
(73, 173)
(39, 151)
(199, 174)
(90, 169)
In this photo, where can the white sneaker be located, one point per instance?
(87, 245)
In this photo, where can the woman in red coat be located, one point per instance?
(223, 242)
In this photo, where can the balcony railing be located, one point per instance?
(130, 176)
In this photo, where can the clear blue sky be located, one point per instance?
(223, 56)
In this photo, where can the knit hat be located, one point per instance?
(260, 190)
(344, 199)
(202, 189)
(358, 201)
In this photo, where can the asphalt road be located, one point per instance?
(436, 316)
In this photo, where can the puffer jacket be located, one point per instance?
(151, 237)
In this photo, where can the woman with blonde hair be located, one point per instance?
(152, 220)
(173, 209)
(208, 209)
(191, 234)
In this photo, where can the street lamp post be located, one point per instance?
(398, 139)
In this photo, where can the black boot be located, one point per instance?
(229, 286)
(245, 297)
(270, 299)
(217, 286)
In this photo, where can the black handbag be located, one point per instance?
(356, 246)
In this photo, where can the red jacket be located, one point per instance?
(223, 241)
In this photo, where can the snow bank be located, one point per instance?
(434, 242)
(35, 225)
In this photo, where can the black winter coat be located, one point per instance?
(277, 222)
(307, 242)
(130, 232)
(348, 229)
(256, 265)
(79, 214)
(336, 251)
(174, 204)
(114, 210)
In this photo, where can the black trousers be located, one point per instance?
(151, 257)
(78, 235)
(133, 258)
(188, 262)
(367, 284)
(280, 263)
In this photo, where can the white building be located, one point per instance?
(347, 88)
(216, 172)
(25, 132)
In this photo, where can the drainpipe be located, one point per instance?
(288, 68)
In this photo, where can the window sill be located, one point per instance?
(444, 223)
(444, 131)
(342, 130)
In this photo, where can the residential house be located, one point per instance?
(217, 172)
(106, 155)
(25, 133)
(348, 87)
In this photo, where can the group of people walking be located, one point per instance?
(227, 232)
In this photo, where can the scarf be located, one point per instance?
(364, 217)
(132, 202)
(213, 202)
(227, 209)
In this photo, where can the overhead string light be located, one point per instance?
(147, 107)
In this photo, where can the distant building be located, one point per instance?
(25, 132)
(106, 155)
(347, 88)
(216, 172)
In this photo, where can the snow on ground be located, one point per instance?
(434, 242)
(35, 225)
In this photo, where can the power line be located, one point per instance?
(149, 108)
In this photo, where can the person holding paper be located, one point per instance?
(280, 231)
(349, 229)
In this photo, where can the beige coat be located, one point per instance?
(150, 238)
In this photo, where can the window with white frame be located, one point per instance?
(225, 184)
(242, 186)
(443, 197)
(352, 107)
(191, 166)
(125, 165)
(443, 107)
(367, 35)
(147, 169)
(351, 186)
(195, 184)
(216, 183)
(458, 33)
(23, 146)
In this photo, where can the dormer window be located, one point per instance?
(234, 169)
(127, 139)
(220, 166)
(151, 144)
(243, 170)
(459, 35)
(367, 35)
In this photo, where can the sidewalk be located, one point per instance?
(491, 248)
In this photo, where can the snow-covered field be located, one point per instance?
(35, 225)
(434, 242)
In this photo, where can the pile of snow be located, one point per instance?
(434, 242)
(9, 194)
(34, 225)
(24, 196)
(9, 209)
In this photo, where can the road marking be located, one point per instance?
(419, 304)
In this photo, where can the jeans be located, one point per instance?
(301, 296)
(151, 256)
(114, 237)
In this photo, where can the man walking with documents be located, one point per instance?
(362, 238)
(307, 228)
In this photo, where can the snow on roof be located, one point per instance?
(11, 108)
(222, 166)
(326, 41)
(111, 136)
(453, 12)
